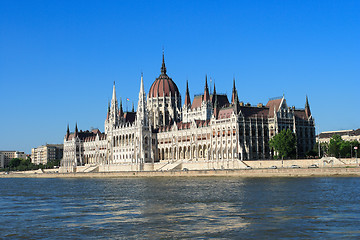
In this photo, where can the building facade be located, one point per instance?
(46, 153)
(208, 128)
(346, 135)
(6, 156)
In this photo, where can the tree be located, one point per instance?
(284, 144)
(15, 162)
(334, 145)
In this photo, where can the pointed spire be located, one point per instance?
(236, 104)
(206, 91)
(76, 130)
(142, 84)
(213, 96)
(108, 111)
(121, 112)
(216, 107)
(133, 108)
(234, 93)
(163, 68)
(67, 132)
(114, 92)
(187, 95)
(307, 108)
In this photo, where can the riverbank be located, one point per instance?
(281, 172)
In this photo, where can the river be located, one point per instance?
(180, 207)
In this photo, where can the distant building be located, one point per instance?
(46, 153)
(208, 129)
(6, 156)
(347, 135)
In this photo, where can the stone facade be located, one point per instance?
(44, 154)
(346, 135)
(208, 129)
(6, 156)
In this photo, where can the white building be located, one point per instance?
(6, 156)
(48, 152)
(210, 128)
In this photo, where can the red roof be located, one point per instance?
(163, 86)
(254, 111)
(221, 99)
(225, 113)
(273, 104)
(197, 101)
(300, 114)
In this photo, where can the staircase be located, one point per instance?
(91, 168)
(171, 166)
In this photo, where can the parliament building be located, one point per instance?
(165, 133)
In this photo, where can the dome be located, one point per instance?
(163, 86)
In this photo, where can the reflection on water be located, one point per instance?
(161, 208)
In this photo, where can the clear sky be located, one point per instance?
(59, 59)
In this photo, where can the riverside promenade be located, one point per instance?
(329, 166)
(281, 172)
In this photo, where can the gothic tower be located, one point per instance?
(164, 100)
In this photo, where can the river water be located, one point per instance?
(174, 208)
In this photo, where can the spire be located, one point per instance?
(213, 96)
(307, 108)
(142, 84)
(236, 104)
(234, 93)
(114, 92)
(141, 112)
(121, 112)
(67, 132)
(76, 130)
(216, 107)
(187, 95)
(163, 68)
(206, 91)
(108, 111)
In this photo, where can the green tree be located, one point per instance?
(284, 144)
(345, 149)
(334, 145)
(15, 162)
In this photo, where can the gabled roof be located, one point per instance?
(222, 100)
(300, 114)
(248, 111)
(274, 104)
(197, 101)
(225, 113)
(88, 135)
(130, 117)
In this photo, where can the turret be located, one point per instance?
(67, 133)
(214, 96)
(234, 93)
(187, 96)
(206, 91)
(76, 131)
(121, 111)
(307, 108)
(141, 113)
(163, 68)
(216, 110)
(114, 112)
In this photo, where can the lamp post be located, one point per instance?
(356, 154)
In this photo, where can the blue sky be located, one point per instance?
(58, 59)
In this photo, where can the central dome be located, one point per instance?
(163, 86)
